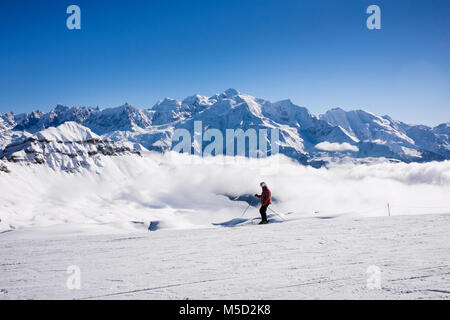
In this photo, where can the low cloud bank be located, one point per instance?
(181, 193)
(335, 146)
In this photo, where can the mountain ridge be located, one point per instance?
(300, 130)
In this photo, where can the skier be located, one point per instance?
(266, 200)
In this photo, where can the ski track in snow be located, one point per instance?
(307, 258)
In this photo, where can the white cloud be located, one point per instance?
(411, 152)
(183, 194)
(334, 146)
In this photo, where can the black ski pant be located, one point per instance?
(263, 212)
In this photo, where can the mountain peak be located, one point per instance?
(229, 93)
(167, 103)
(284, 102)
(336, 109)
(60, 107)
(68, 131)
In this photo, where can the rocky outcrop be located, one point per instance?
(68, 147)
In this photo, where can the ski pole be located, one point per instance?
(277, 214)
(245, 210)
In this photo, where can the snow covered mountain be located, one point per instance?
(387, 137)
(303, 136)
(68, 147)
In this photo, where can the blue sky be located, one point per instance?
(318, 53)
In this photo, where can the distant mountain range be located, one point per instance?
(308, 138)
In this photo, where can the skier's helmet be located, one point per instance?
(263, 184)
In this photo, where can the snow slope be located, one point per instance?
(309, 258)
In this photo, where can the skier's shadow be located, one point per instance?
(237, 222)
(231, 223)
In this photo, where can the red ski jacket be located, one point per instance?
(265, 197)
